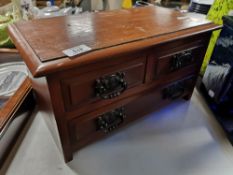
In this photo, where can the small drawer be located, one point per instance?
(102, 86)
(95, 125)
(179, 89)
(181, 57)
(184, 59)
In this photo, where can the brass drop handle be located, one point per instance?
(110, 86)
(174, 91)
(181, 60)
(111, 120)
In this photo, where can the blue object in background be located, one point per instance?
(217, 83)
(52, 2)
(219, 73)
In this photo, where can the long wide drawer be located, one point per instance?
(102, 122)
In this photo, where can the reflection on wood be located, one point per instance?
(14, 103)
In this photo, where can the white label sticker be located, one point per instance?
(76, 50)
(211, 93)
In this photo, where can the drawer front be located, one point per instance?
(180, 57)
(185, 59)
(102, 122)
(103, 85)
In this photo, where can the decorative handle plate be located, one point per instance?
(181, 60)
(110, 86)
(111, 120)
(174, 91)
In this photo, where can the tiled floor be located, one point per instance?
(181, 139)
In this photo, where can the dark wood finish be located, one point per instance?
(11, 106)
(4, 2)
(143, 43)
(162, 56)
(85, 130)
(8, 55)
(13, 127)
(131, 30)
(16, 110)
(78, 90)
(14, 102)
(93, 30)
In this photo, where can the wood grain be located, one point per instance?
(14, 103)
(131, 29)
(140, 41)
(4, 2)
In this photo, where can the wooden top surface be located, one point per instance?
(49, 37)
(44, 40)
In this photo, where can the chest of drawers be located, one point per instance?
(141, 60)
